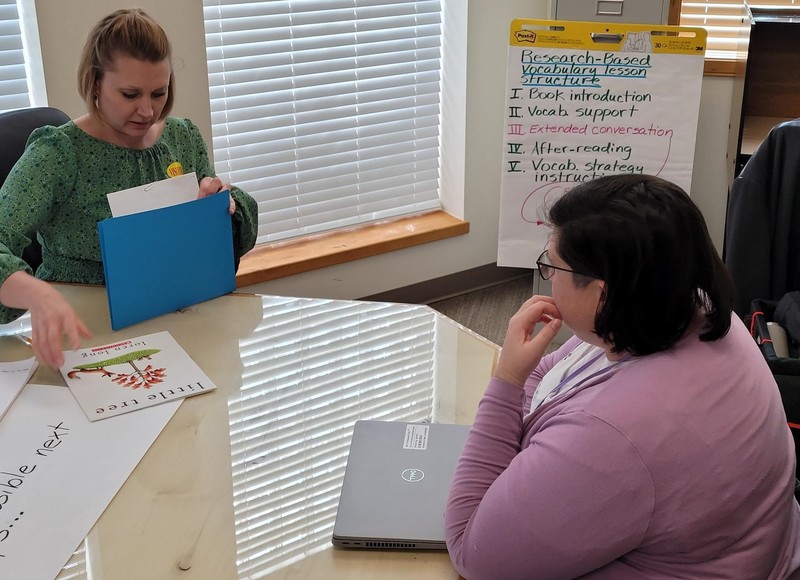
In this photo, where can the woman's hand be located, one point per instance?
(52, 318)
(523, 348)
(212, 185)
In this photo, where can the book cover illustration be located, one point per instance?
(132, 374)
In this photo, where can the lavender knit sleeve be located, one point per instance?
(575, 499)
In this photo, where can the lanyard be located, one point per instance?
(557, 390)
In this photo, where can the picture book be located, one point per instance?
(132, 374)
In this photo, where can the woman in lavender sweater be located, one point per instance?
(653, 444)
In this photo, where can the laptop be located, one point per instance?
(395, 485)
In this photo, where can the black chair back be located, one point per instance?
(15, 128)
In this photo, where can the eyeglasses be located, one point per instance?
(546, 271)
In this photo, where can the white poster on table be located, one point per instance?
(59, 471)
(13, 377)
(588, 99)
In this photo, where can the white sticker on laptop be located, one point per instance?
(416, 437)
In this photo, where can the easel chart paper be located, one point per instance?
(58, 472)
(587, 99)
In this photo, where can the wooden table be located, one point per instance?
(244, 481)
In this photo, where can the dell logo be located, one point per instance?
(412, 475)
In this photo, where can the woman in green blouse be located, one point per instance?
(58, 188)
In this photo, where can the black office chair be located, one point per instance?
(762, 250)
(762, 226)
(15, 128)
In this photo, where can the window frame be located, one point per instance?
(26, 33)
(270, 261)
(448, 189)
(722, 67)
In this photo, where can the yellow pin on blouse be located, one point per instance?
(175, 169)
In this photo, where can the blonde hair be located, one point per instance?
(131, 32)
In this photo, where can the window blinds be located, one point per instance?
(13, 75)
(326, 111)
(723, 20)
(310, 370)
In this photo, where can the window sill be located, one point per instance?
(271, 261)
(720, 68)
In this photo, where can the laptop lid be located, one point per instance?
(395, 485)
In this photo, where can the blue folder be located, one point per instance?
(165, 259)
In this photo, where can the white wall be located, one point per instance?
(63, 27)
(487, 40)
(710, 174)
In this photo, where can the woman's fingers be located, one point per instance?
(209, 186)
(532, 312)
(524, 345)
(538, 298)
(547, 333)
(47, 345)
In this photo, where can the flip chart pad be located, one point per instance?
(587, 99)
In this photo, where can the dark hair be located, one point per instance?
(646, 239)
(131, 32)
